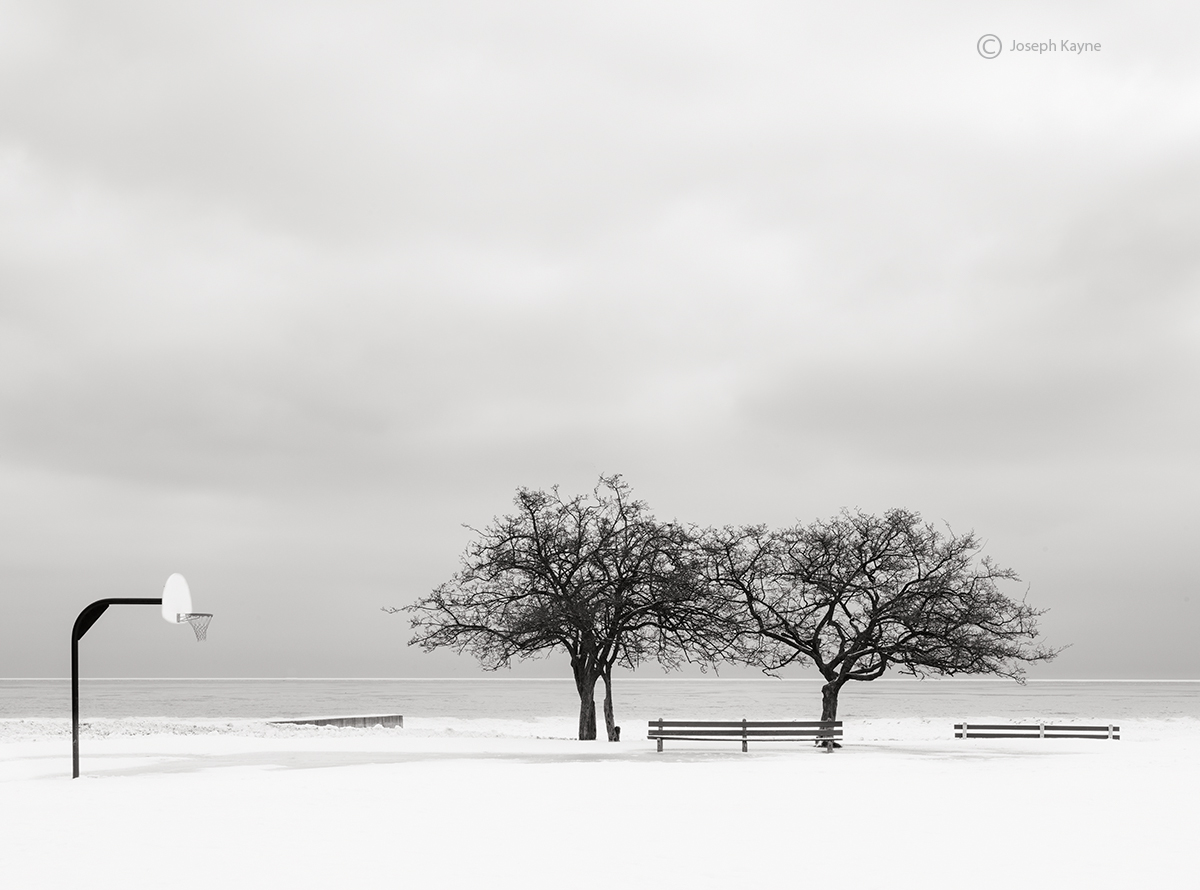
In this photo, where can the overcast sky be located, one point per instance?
(289, 292)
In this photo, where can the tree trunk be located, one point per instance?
(610, 723)
(829, 697)
(829, 702)
(586, 685)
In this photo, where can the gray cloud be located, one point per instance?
(287, 294)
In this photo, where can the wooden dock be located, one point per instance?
(364, 722)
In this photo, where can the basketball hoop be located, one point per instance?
(176, 607)
(198, 621)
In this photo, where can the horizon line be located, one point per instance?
(959, 679)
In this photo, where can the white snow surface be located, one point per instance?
(490, 803)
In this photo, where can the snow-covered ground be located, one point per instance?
(475, 803)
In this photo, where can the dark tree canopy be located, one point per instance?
(858, 595)
(596, 576)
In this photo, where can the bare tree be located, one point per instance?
(860, 594)
(595, 576)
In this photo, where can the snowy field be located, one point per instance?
(488, 803)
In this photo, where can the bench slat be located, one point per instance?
(1024, 735)
(1057, 731)
(738, 734)
(748, 723)
(750, 728)
(1035, 727)
(688, 738)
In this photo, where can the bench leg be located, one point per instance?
(744, 748)
(660, 746)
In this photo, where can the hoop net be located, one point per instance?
(199, 622)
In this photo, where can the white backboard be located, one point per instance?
(176, 599)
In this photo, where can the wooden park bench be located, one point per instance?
(1034, 731)
(829, 731)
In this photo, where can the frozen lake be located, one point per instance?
(538, 699)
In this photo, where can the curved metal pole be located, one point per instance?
(89, 616)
